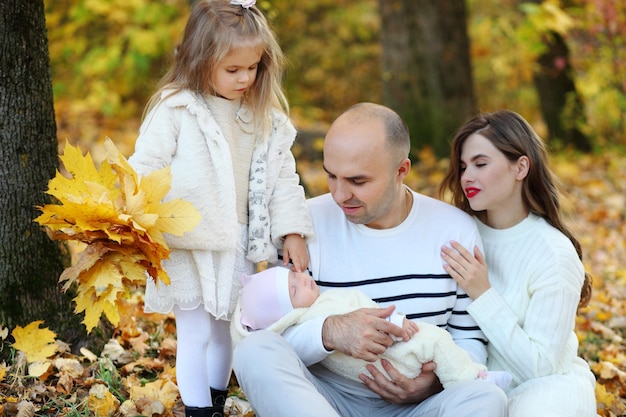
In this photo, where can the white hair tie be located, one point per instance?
(246, 4)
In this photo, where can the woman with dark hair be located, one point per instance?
(526, 300)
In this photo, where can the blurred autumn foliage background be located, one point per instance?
(107, 56)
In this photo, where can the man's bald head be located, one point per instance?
(395, 129)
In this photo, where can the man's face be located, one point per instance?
(363, 175)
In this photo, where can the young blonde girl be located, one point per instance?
(219, 119)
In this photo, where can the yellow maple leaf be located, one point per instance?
(161, 390)
(175, 216)
(117, 161)
(3, 371)
(37, 344)
(156, 184)
(105, 274)
(93, 304)
(83, 167)
(121, 220)
(135, 201)
(143, 207)
(84, 261)
(602, 395)
(101, 402)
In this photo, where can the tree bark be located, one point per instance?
(561, 106)
(427, 75)
(30, 263)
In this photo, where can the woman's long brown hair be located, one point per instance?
(514, 137)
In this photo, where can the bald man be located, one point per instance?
(374, 234)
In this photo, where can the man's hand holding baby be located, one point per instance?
(363, 334)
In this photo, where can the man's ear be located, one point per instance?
(523, 167)
(404, 169)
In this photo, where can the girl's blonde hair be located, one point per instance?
(213, 30)
(511, 134)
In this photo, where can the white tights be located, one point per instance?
(203, 357)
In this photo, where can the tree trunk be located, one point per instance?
(427, 76)
(30, 263)
(561, 105)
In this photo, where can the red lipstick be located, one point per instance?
(471, 192)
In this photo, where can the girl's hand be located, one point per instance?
(469, 271)
(295, 249)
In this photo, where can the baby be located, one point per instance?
(278, 298)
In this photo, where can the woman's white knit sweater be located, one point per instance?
(528, 316)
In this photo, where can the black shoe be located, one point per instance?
(218, 397)
(214, 411)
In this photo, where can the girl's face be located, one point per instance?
(303, 290)
(491, 182)
(237, 72)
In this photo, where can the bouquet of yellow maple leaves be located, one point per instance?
(121, 219)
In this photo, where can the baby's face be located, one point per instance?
(303, 290)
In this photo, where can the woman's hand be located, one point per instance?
(469, 271)
(399, 389)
